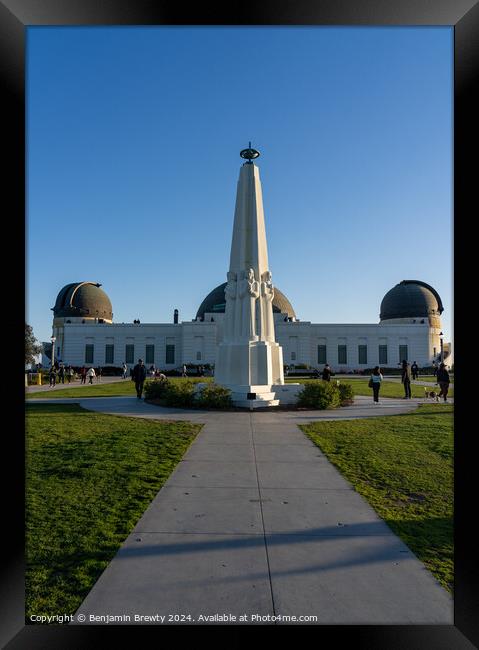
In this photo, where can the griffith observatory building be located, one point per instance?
(409, 328)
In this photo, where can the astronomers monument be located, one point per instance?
(249, 360)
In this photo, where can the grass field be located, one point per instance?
(429, 378)
(403, 466)
(127, 387)
(89, 478)
(388, 388)
(115, 389)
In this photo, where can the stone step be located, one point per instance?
(256, 403)
(259, 396)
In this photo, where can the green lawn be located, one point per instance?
(403, 466)
(127, 387)
(89, 478)
(116, 389)
(388, 388)
(432, 379)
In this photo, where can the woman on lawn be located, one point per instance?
(375, 383)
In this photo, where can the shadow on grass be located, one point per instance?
(432, 541)
(44, 409)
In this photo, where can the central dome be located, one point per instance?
(215, 303)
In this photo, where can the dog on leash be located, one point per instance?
(431, 394)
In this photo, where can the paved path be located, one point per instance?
(256, 521)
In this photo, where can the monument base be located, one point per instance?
(253, 371)
(249, 363)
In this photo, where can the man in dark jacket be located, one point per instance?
(406, 379)
(414, 370)
(443, 381)
(139, 376)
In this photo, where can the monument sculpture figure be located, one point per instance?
(249, 360)
(249, 292)
(267, 295)
(230, 295)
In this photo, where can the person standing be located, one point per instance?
(414, 370)
(83, 375)
(139, 376)
(406, 379)
(125, 370)
(326, 374)
(90, 374)
(53, 376)
(375, 383)
(99, 372)
(443, 380)
(61, 374)
(184, 371)
(434, 368)
(70, 374)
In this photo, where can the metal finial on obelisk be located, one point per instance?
(249, 154)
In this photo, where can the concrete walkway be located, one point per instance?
(255, 521)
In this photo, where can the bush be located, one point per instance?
(213, 396)
(180, 394)
(320, 395)
(156, 389)
(346, 393)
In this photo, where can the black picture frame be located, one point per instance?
(15, 17)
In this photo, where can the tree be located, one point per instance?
(31, 346)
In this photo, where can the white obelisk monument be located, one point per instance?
(249, 361)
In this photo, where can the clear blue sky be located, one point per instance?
(133, 140)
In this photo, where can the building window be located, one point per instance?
(403, 353)
(321, 354)
(434, 352)
(150, 354)
(342, 354)
(170, 353)
(88, 353)
(129, 353)
(362, 353)
(383, 354)
(198, 356)
(109, 353)
(293, 356)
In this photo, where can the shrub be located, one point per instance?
(180, 394)
(320, 395)
(156, 389)
(346, 393)
(213, 396)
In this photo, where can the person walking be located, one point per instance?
(61, 374)
(327, 372)
(99, 373)
(443, 380)
(125, 370)
(70, 374)
(406, 379)
(184, 371)
(83, 375)
(139, 376)
(375, 383)
(414, 370)
(53, 376)
(90, 374)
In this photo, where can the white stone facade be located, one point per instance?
(196, 342)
